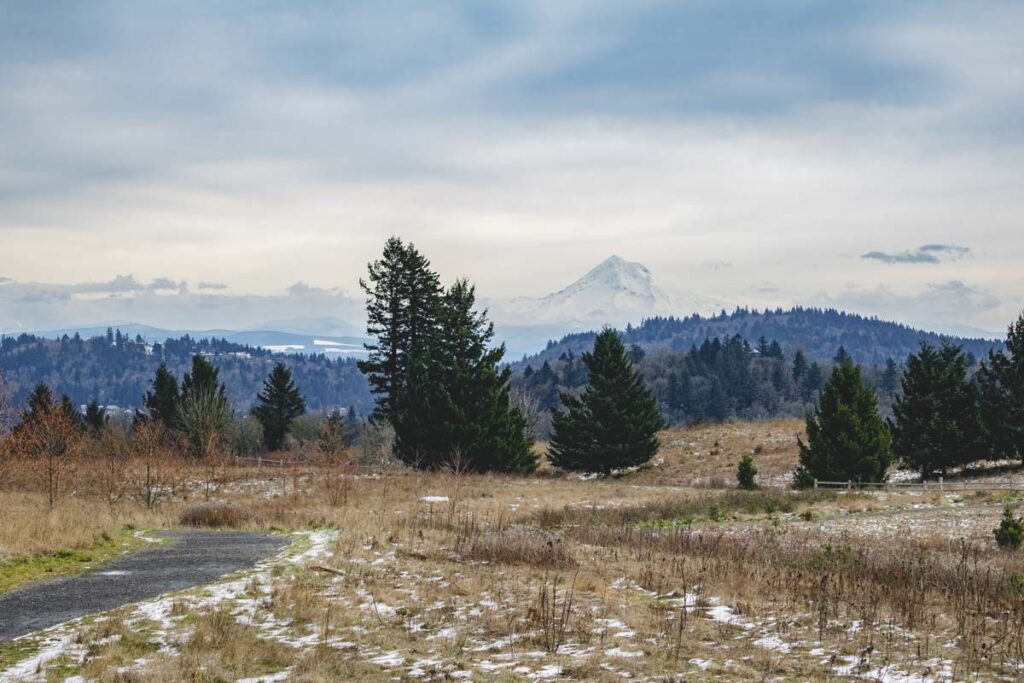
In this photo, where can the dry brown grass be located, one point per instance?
(517, 545)
(602, 578)
(707, 454)
(214, 514)
(29, 528)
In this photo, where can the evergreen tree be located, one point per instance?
(846, 437)
(39, 403)
(95, 417)
(1010, 532)
(763, 348)
(458, 404)
(401, 306)
(814, 381)
(718, 401)
(1001, 388)
(746, 473)
(799, 367)
(936, 420)
(614, 423)
(351, 426)
(71, 412)
(674, 394)
(204, 378)
(277, 406)
(636, 353)
(162, 401)
(890, 377)
(204, 411)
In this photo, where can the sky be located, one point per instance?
(253, 156)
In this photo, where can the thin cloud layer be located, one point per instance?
(164, 303)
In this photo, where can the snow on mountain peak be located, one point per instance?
(614, 292)
(617, 272)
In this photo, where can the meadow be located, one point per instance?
(665, 573)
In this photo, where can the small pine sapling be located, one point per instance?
(1010, 532)
(745, 473)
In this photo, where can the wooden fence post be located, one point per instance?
(815, 484)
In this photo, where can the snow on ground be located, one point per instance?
(61, 640)
(51, 647)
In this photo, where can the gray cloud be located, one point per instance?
(946, 303)
(928, 253)
(547, 134)
(217, 286)
(121, 283)
(4, 280)
(163, 283)
(169, 304)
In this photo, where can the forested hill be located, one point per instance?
(817, 332)
(116, 370)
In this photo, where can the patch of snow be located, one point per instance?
(773, 642)
(269, 678)
(389, 659)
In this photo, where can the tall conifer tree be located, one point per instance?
(277, 406)
(614, 423)
(936, 420)
(459, 403)
(163, 399)
(402, 295)
(385, 321)
(1001, 387)
(204, 411)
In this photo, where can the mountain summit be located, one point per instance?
(615, 292)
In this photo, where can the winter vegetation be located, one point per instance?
(437, 538)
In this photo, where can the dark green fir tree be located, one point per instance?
(402, 295)
(847, 440)
(277, 406)
(163, 399)
(614, 424)
(746, 473)
(1001, 389)
(95, 417)
(39, 403)
(936, 424)
(458, 410)
(71, 412)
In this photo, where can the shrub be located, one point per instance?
(1010, 532)
(517, 545)
(745, 473)
(214, 515)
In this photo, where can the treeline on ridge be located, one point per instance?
(117, 370)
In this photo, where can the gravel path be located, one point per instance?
(192, 558)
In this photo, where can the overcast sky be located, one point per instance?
(863, 155)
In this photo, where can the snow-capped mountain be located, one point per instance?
(615, 292)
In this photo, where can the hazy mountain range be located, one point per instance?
(307, 319)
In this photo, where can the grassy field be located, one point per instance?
(668, 573)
